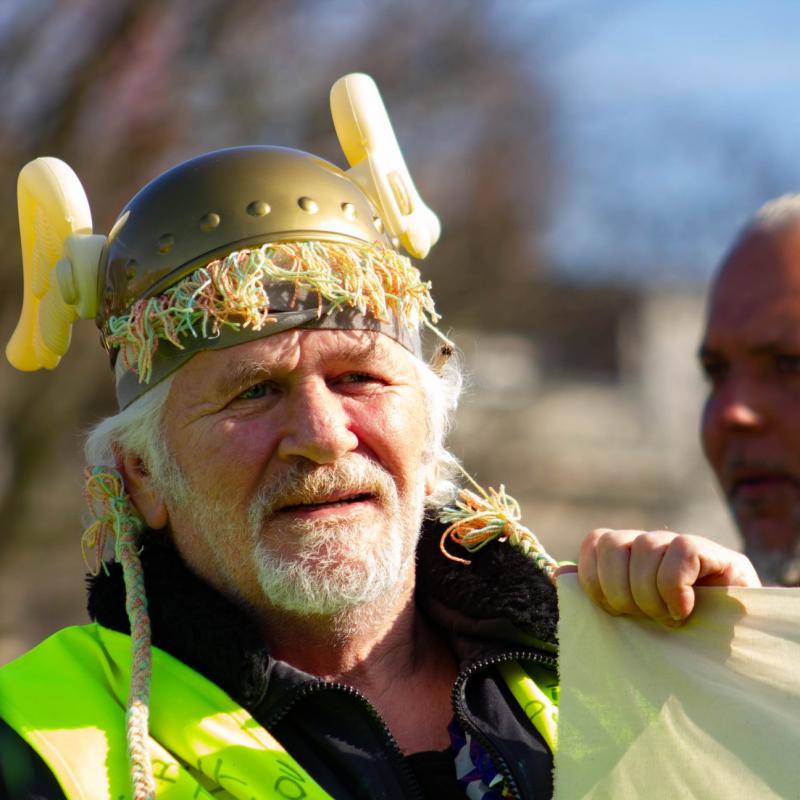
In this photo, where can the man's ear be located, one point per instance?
(147, 498)
(431, 477)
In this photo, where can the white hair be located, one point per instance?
(136, 429)
(442, 390)
(139, 428)
(775, 214)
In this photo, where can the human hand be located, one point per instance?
(653, 573)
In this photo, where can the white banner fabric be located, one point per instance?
(708, 710)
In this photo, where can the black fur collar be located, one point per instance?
(500, 600)
(501, 595)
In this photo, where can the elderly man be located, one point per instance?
(751, 357)
(298, 604)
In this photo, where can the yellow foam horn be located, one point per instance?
(370, 146)
(60, 260)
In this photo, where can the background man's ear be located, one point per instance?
(146, 496)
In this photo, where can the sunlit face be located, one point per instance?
(302, 468)
(751, 422)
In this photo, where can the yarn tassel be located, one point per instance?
(115, 516)
(482, 516)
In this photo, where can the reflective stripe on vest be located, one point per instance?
(67, 698)
(535, 688)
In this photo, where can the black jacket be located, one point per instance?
(499, 608)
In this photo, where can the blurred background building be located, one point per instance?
(590, 160)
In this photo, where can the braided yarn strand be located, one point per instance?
(115, 516)
(478, 518)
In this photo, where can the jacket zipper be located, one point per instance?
(485, 742)
(388, 739)
(391, 743)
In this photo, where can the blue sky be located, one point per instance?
(675, 120)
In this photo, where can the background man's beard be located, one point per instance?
(774, 550)
(775, 568)
(337, 565)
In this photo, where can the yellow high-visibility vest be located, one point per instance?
(67, 699)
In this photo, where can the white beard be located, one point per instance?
(328, 575)
(337, 567)
(775, 568)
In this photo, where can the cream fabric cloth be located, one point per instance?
(709, 710)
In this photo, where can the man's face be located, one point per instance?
(751, 422)
(300, 469)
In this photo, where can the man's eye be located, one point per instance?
(256, 392)
(714, 371)
(359, 378)
(788, 364)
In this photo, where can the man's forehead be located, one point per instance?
(767, 258)
(754, 303)
(285, 350)
(756, 323)
(760, 276)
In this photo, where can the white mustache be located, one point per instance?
(306, 484)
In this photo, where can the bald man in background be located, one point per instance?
(750, 355)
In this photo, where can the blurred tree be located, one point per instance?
(124, 90)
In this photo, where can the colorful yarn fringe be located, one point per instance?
(116, 517)
(233, 292)
(477, 519)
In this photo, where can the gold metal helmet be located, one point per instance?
(232, 245)
(224, 201)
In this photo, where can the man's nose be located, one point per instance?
(739, 405)
(318, 427)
